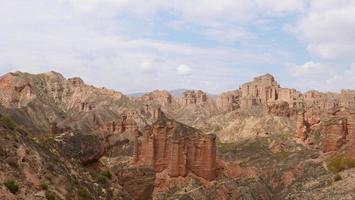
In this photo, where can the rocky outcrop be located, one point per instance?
(122, 125)
(194, 97)
(335, 132)
(177, 148)
(162, 98)
(291, 96)
(137, 181)
(76, 81)
(15, 91)
(301, 126)
(347, 98)
(85, 148)
(281, 109)
(323, 101)
(260, 90)
(346, 118)
(228, 101)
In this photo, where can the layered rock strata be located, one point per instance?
(177, 148)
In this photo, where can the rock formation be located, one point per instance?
(76, 81)
(281, 109)
(194, 97)
(15, 91)
(162, 98)
(347, 98)
(335, 132)
(260, 90)
(228, 101)
(177, 148)
(123, 124)
(86, 148)
(301, 126)
(259, 125)
(264, 90)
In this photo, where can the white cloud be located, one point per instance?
(147, 67)
(324, 77)
(310, 69)
(327, 28)
(183, 70)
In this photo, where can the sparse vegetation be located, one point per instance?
(340, 163)
(226, 147)
(44, 186)
(282, 155)
(185, 197)
(83, 194)
(255, 146)
(107, 174)
(50, 195)
(5, 121)
(101, 179)
(12, 186)
(104, 177)
(338, 178)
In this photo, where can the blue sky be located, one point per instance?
(134, 46)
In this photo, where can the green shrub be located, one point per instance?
(44, 186)
(83, 194)
(12, 186)
(7, 123)
(338, 178)
(50, 195)
(107, 174)
(226, 147)
(340, 163)
(101, 179)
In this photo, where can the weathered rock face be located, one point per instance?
(335, 132)
(194, 97)
(281, 109)
(76, 81)
(162, 98)
(346, 116)
(347, 98)
(228, 101)
(170, 145)
(323, 101)
(43, 98)
(86, 148)
(291, 96)
(15, 91)
(301, 126)
(137, 181)
(262, 89)
(121, 125)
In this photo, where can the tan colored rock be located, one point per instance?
(15, 91)
(228, 101)
(162, 98)
(335, 132)
(347, 98)
(177, 148)
(301, 126)
(281, 109)
(194, 97)
(76, 81)
(262, 88)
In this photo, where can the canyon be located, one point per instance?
(258, 141)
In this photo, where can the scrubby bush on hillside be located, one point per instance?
(340, 163)
(12, 186)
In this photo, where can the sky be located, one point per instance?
(135, 46)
